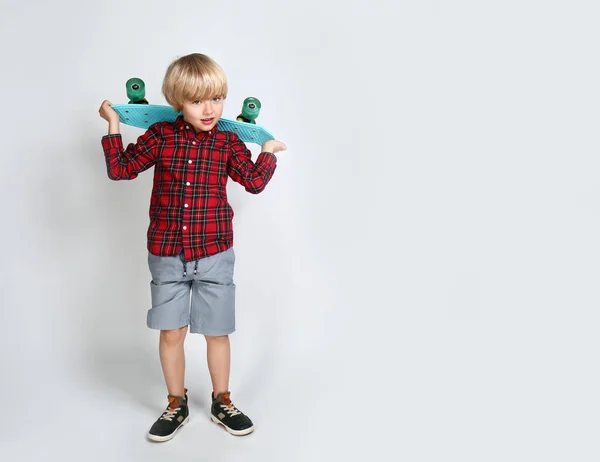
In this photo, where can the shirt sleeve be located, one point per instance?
(125, 164)
(253, 176)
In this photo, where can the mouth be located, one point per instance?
(207, 121)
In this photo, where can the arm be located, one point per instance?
(125, 164)
(252, 176)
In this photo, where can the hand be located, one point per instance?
(273, 146)
(108, 113)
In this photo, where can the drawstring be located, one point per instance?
(182, 256)
(185, 268)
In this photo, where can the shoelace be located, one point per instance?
(231, 410)
(170, 413)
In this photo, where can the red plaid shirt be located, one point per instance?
(188, 207)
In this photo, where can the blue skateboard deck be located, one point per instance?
(144, 115)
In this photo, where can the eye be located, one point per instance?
(216, 100)
(196, 102)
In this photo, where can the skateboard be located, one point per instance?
(144, 115)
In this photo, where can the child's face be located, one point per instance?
(203, 114)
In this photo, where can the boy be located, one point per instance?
(190, 236)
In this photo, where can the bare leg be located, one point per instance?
(218, 355)
(172, 359)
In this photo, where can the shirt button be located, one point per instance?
(188, 183)
(189, 161)
(184, 228)
(185, 205)
(187, 126)
(193, 142)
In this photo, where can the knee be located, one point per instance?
(216, 339)
(173, 337)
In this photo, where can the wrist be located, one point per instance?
(113, 127)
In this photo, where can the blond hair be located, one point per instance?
(193, 77)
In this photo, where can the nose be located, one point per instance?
(207, 109)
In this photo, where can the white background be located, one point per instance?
(418, 282)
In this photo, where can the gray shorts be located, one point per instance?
(212, 308)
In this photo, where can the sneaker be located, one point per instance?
(223, 412)
(175, 416)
